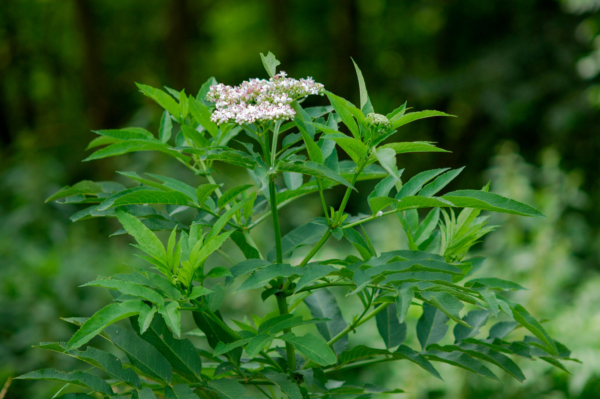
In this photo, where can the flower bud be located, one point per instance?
(377, 120)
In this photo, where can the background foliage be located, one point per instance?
(522, 73)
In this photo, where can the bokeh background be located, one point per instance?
(521, 75)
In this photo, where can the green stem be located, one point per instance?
(275, 215)
(357, 323)
(289, 348)
(227, 257)
(373, 217)
(316, 248)
(270, 360)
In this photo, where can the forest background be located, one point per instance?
(521, 75)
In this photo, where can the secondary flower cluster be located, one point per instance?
(260, 100)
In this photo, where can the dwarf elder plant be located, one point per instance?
(290, 152)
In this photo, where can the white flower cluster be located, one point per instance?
(259, 100)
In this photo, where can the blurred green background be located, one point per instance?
(521, 75)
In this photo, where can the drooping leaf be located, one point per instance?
(90, 381)
(431, 327)
(172, 316)
(489, 355)
(312, 346)
(449, 304)
(323, 305)
(144, 393)
(222, 348)
(390, 329)
(387, 159)
(103, 318)
(522, 316)
(409, 354)
(204, 191)
(502, 329)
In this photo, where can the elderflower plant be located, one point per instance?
(266, 354)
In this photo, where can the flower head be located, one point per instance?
(378, 120)
(259, 100)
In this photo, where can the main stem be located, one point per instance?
(281, 299)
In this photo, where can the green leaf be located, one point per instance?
(247, 248)
(213, 330)
(222, 221)
(412, 146)
(227, 389)
(435, 186)
(202, 115)
(323, 305)
(128, 288)
(199, 291)
(172, 317)
(476, 319)
(360, 352)
(390, 329)
(164, 130)
(146, 318)
(129, 133)
(431, 327)
(387, 159)
(303, 235)
(180, 391)
(147, 240)
(75, 396)
(313, 169)
(406, 293)
(204, 191)
(414, 116)
(90, 381)
(490, 202)
(446, 303)
(502, 329)
(180, 353)
(218, 272)
(145, 393)
(144, 195)
(262, 277)
(364, 96)
(313, 272)
(203, 250)
(415, 184)
(184, 104)
(83, 187)
(162, 98)
(257, 344)
(312, 346)
(284, 383)
(215, 299)
(462, 360)
(231, 194)
(140, 353)
(103, 360)
(380, 203)
(489, 355)
(270, 63)
(222, 348)
(341, 108)
(522, 316)
(494, 283)
(416, 202)
(103, 318)
(409, 354)
(126, 147)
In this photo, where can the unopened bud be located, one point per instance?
(378, 120)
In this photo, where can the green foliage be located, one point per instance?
(430, 274)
